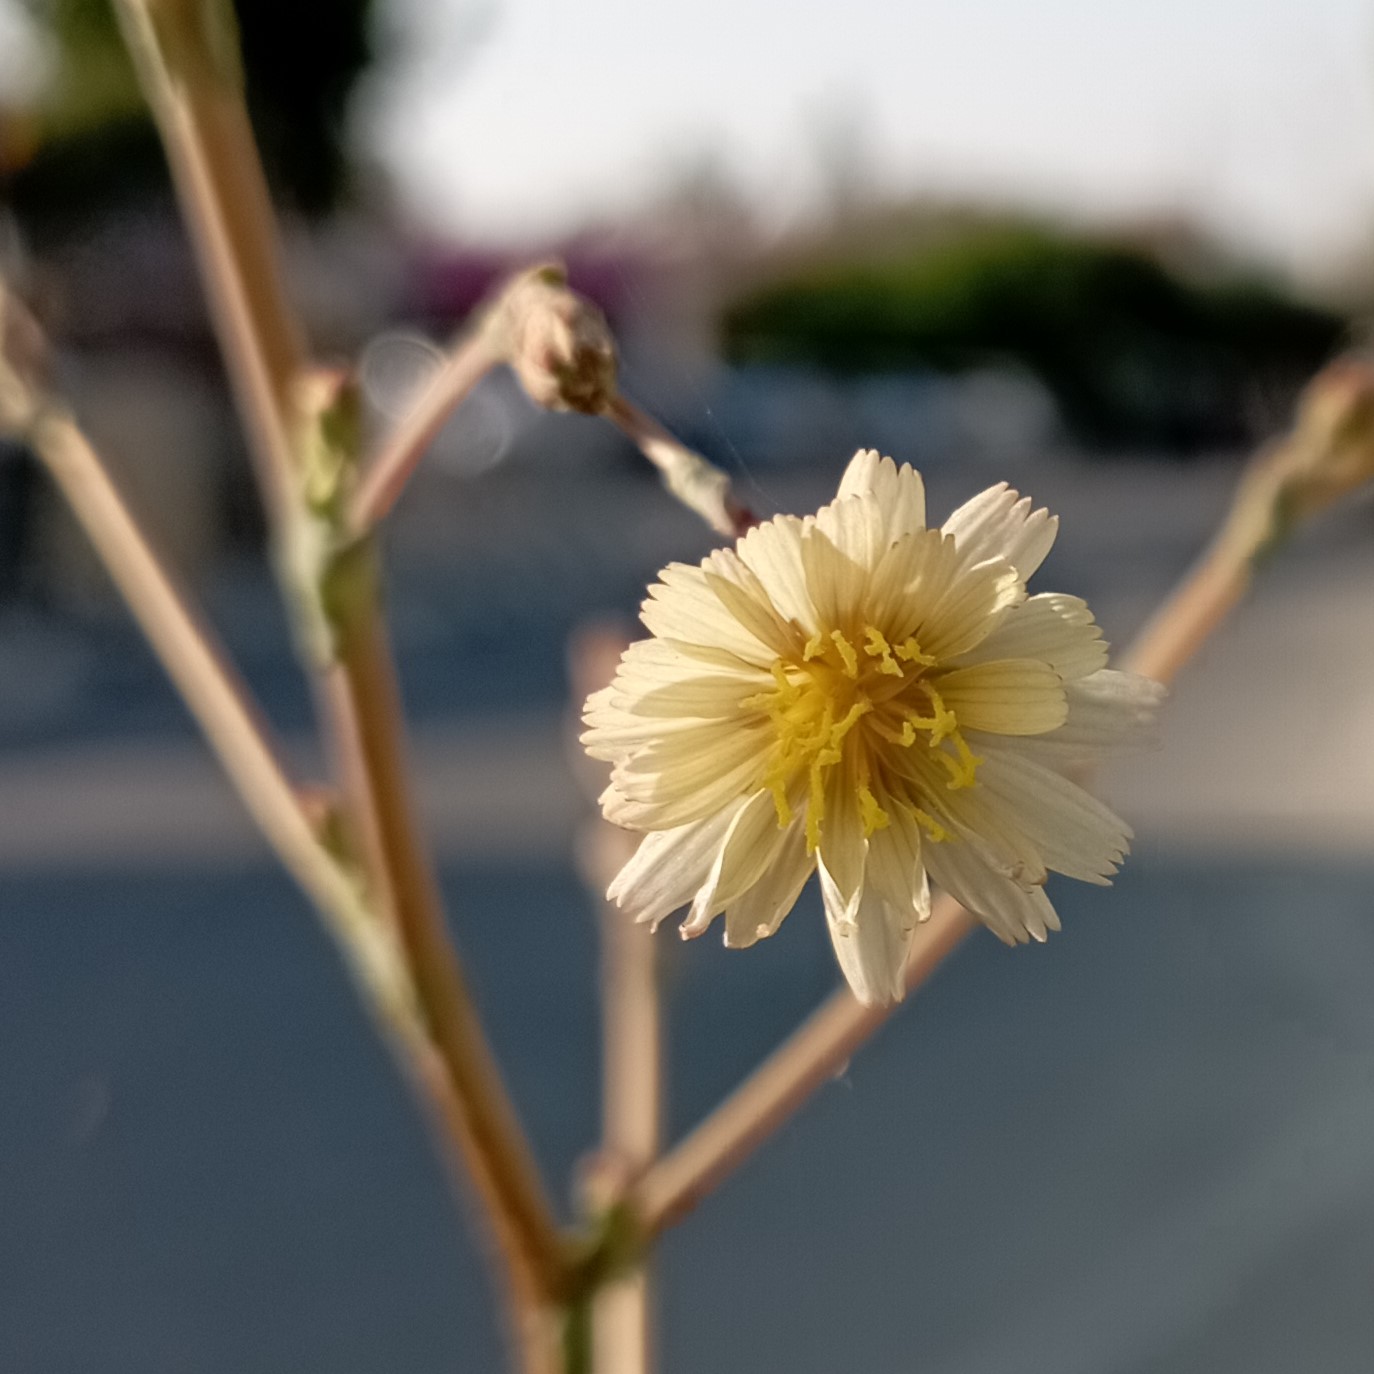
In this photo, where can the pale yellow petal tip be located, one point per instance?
(860, 472)
(877, 999)
(699, 915)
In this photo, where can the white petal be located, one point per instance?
(746, 598)
(678, 765)
(1058, 629)
(843, 848)
(878, 504)
(673, 806)
(614, 734)
(1074, 833)
(834, 581)
(857, 528)
(750, 846)
(999, 523)
(971, 607)
(650, 663)
(709, 697)
(897, 491)
(667, 660)
(757, 913)
(994, 833)
(1014, 696)
(668, 868)
(871, 941)
(909, 580)
(707, 655)
(1110, 712)
(1014, 914)
(681, 606)
(894, 868)
(772, 551)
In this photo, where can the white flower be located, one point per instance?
(858, 694)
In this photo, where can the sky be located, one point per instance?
(523, 117)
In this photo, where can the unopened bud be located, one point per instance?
(557, 343)
(1335, 436)
(1328, 454)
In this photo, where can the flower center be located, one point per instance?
(854, 702)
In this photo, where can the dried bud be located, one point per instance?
(557, 343)
(1328, 454)
(1335, 436)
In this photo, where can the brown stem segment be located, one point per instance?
(471, 358)
(187, 64)
(183, 51)
(632, 1105)
(489, 1134)
(809, 1059)
(699, 485)
(1191, 614)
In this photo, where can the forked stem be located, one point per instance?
(186, 55)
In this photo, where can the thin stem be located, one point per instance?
(185, 54)
(188, 71)
(560, 348)
(812, 1056)
(470, 359)
(699, 485)
(632, 1105)
(632, 1056)
(492, 1141)
(1191, 614)
(631, 1039)
(207, 682)
(806, 1061)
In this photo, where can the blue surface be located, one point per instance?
(1145, 1146)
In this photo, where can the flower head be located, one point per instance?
(856, 694)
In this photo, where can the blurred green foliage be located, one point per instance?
(95, 145)
(1133, 352)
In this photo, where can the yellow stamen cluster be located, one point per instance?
(846, 703)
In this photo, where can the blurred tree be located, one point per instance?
(1133, 352)
(92, 145)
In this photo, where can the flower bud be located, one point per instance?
(557, 343)
(1335, 434)
(1328, 454)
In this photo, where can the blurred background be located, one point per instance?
(1091, 248)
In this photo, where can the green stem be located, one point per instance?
(577, 1336)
